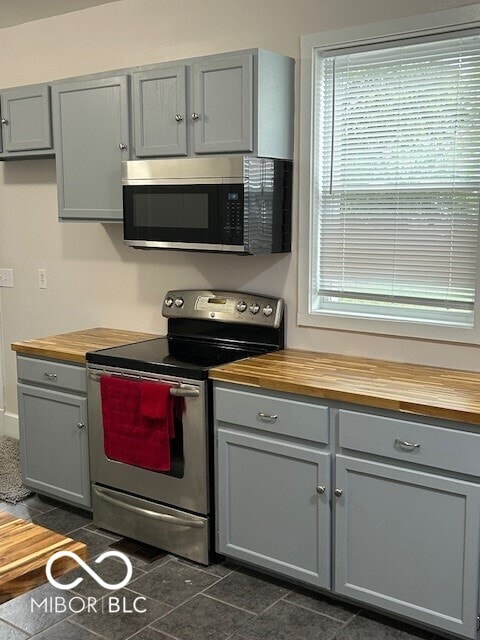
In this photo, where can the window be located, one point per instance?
(394, 185)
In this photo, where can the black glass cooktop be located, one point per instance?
(172, 356)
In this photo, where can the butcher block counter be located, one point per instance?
(431, 391)
(73, 346)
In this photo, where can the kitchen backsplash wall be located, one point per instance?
(93, 279)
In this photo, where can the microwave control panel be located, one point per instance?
(226, 306)
(232, 213)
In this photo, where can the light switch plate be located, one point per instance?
(6, 278)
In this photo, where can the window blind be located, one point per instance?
(397, 180)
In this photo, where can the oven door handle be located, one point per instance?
(186, 521)
(185, 392)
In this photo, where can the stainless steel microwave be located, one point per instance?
(235, 204)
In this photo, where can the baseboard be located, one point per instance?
(9, 424)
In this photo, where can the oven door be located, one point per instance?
(186, 485)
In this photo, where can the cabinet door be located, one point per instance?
(92, 137)
(223, 105)
(54, 444)
(270, 513)
(408, 542)
(26, 119)
(160, 112)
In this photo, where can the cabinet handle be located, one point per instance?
(267, 417)
(122, 146)
(405, 443)
(50, 376)
(80, 425)
(178, 118)
(321, 488)
(195, 116)
(4, 121)
(338, 492)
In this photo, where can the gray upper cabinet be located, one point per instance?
(26, 122)
(91, 130)
(408, 542)
(223, 105)
(159, 99)
(240, 102)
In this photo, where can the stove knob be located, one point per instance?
(241, 306)
(254, 307)
(168, 302)
(267, 310)
(179, 302)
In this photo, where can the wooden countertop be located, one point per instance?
(429, 391)
(73, 346)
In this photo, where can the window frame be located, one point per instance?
(465, 19)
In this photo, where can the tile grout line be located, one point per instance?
(325, 615)
(181, 603)
(342, 627)
(257, 615)
(206, 595)
(14, 626)
(85, 629)
(96, 532)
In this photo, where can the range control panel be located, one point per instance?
(224, 306)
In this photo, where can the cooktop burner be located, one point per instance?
(205, 329)
(172, 356)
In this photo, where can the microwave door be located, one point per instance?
(164, 215)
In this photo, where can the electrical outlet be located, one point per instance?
(6, 278)
(42, 278)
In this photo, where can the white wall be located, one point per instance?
(93, 280)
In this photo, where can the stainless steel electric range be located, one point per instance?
(173, 509)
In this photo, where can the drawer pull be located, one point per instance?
(405, 443)
(50, 376)
(321, 488)
(267, 417)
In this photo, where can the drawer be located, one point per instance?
(50, 373)
(275, 415)
(437, 446)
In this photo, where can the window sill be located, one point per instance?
(387, 327)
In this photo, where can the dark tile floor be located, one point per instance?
(184, 601)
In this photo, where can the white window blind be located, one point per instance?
(397, 181)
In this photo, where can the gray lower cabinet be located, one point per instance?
(408, 541)
(52, 411)
(26, 121)
(405, 524)
(271, 512)
(91, 128)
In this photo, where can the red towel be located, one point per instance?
(157, 406)
(130, 437)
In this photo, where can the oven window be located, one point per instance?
(176, 451)
(171, 210)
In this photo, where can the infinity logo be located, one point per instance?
(89, 570)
